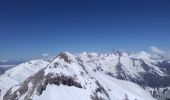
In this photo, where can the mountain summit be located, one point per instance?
(95, 76)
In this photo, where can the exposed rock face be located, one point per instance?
(65, 57)
(79, 71)
(19, 74)
(33, 80)
(154, 74)
(149, 78)
(37, 83)
(101, 90)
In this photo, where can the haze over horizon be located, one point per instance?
(31, 28)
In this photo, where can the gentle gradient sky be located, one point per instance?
(29, 28)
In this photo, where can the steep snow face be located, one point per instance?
(124, 65)
(145, 69)
(19, 73)
(63, 92)
(77, 77)
(117, 89)
(23, 71)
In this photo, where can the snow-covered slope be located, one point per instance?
(19, 73)
(81, 77)
(145, 69)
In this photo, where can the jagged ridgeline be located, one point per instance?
(91, 76)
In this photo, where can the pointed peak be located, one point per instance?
(66, 56)
(119, 52)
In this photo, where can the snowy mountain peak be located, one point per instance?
(66, 56)
(69, 72)
(95, 76)
(117, 52)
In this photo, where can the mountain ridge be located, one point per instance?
(116, 65)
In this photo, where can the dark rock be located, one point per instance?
(65, 57)
(39, 82)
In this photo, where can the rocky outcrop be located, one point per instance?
(70, 70)
(38, 84)
(165, 96)
(65, 57)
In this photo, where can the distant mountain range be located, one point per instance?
(12, 62)
(89, 76)
(8, 64)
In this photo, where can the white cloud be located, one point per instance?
(156, 50)
(168, 55)
(4, 60)
(45, 55)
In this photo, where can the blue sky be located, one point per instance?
(29, 28)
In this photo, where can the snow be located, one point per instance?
(22, 71)
(19, 73)
(63, 92)
(5, 84)
(116, 88)
(131, 64)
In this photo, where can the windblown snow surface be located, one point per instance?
(80, 77)
(18, 74)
